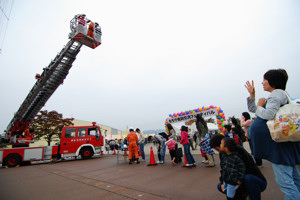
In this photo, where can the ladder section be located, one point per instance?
(52, 76)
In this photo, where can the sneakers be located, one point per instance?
(161, 162)
(188, 165)
(205, 161)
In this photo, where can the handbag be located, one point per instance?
(285, 126)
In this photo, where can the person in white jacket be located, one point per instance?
(141, 142)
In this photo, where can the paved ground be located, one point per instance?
(102, 177)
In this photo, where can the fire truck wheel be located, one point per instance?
(12, 160)
(86, 153)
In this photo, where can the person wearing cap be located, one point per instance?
(132, 138)
(141, 141)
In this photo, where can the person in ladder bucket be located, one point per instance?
(132, 138)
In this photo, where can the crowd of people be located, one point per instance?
(240, 174)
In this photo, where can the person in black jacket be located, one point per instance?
(232, 167)
(254, 181)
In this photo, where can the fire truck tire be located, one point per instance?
(12, 160)
(86, 153)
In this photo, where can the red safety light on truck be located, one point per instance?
(83, 141)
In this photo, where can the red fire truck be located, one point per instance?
(83, 141)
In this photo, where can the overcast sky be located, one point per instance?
(157, 57)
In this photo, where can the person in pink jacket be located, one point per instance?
(186, 146)
(246, 123)
(172, 146)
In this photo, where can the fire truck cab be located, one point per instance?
(80, 140)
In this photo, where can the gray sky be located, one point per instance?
(157, 57)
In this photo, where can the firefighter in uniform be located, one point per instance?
(132, 138)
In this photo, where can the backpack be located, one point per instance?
(237, 139)
(243, 136)
(164, 135)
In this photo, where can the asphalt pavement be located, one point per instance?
(110, 177)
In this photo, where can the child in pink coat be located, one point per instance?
(171, 146)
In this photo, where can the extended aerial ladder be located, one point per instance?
(83, 31)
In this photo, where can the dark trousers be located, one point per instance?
(188, 155)
(252, 185)
(173, 154)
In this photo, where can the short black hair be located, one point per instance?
(234, 129)
(137, 129)
(246, 115)
(131, 130)
(184, 128)
(228, 127)
(150, 138)
(277, 78)
(231, 144)
(215, 140)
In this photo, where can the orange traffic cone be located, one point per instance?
(114, 151)
(125, 153)
(152, 159)
(101, 153)
(186, 163)
(140, 152)
(185, 160)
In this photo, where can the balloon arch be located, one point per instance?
(189, 115)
